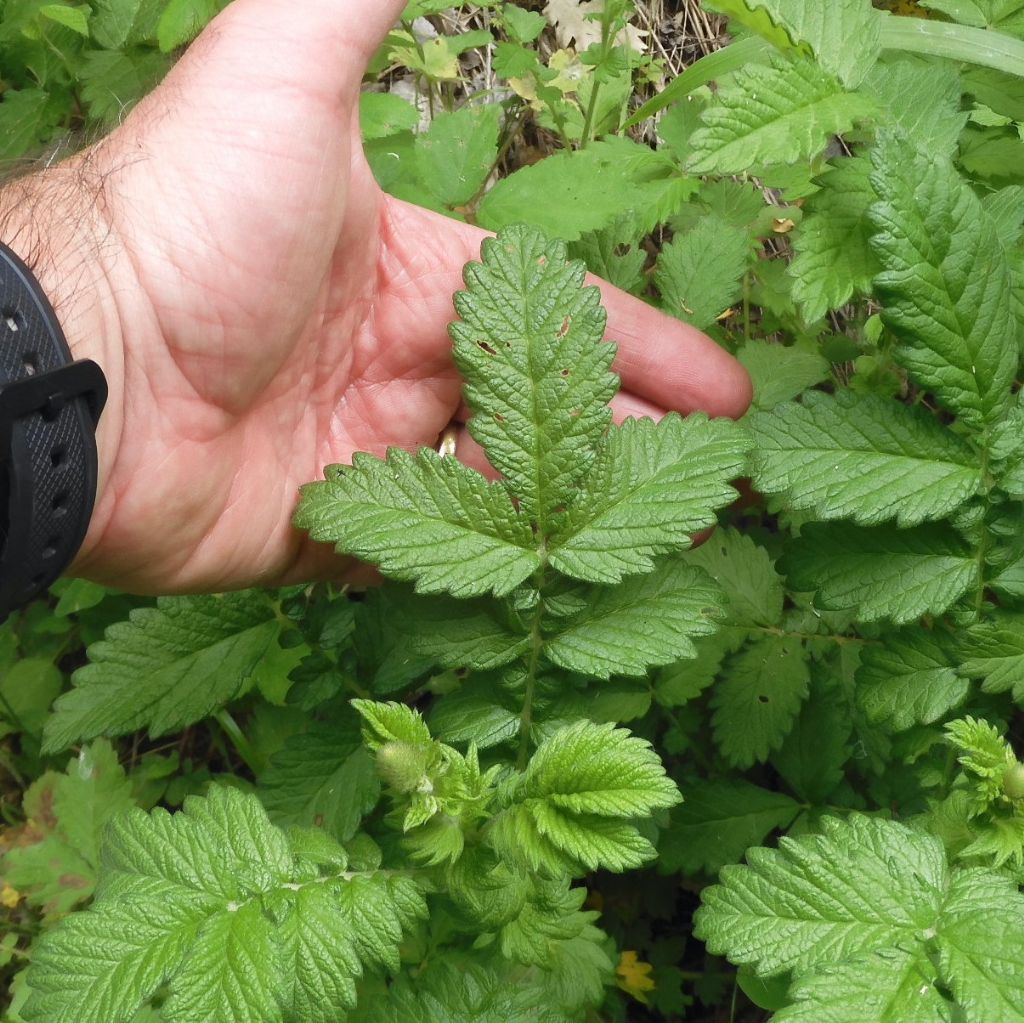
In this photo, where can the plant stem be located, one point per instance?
(985, 539)
(8, 765)
(752, 50)
(536, 643)
(242, 746)
(746, 306)
(11, 713)
(588, 121)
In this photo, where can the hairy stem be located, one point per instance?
(984, 540)
(532, 664)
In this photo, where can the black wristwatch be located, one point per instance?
(49, 408)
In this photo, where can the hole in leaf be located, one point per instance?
(566, 324)
(622, 249)
(485, 347)
(563, 372)
(762, 699)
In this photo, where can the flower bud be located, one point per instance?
(402, 766)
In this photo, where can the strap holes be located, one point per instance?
(50, 550)
(30, 363)
(59, 505)
(57, 455)
(13, 320)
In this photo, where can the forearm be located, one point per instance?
(55, 220)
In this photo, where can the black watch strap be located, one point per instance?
(49, 407)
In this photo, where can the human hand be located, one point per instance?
(261, 309)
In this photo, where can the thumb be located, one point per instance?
(320, 46)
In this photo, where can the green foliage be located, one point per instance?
(845, 38)
(945, 283)
(833, 257)
(69, 66)
(426, 519)
(875, 923)
(863, 458)
(167, 666)
(414, 803)
(777, 114)
(260, 933)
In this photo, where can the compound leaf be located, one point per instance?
(876, 924)
(52, 860)
(425, 518)
(166, 667)
(778, 114)
(862, 885)
(882, 572)
(644, 621)
(196, 901)
(945, 283)
(652, 486)
(862, 457)
(537, 379)
(573, 806)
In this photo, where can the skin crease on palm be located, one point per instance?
(261, 309)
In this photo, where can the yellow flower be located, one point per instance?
(634, 976)
(9, 897)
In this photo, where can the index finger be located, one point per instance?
(668, 362)
(662, 361)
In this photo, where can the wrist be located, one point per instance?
(54, 221)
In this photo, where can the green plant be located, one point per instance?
(567, 575)
(419, 802)
(66, 66)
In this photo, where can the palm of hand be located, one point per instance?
(284, 312)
